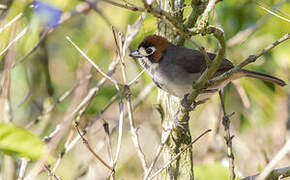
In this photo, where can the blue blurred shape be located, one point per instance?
(48, 14)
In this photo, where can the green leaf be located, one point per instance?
(17, 141)
(211, 171)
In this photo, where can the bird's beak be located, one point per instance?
(135, 54)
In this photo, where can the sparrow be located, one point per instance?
(174, 69)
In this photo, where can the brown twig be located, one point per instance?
(108, 139)
(250, 59)
(51, 174)
(158, 152)
(228, 137)
(177, 155)
(254, 57)
(59, 100)
(86, 143)
(130, 34)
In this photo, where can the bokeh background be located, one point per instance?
(260, 124)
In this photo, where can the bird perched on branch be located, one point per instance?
(174, 69)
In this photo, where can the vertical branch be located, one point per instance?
(228, 137)
(122, 47)
(182, 167)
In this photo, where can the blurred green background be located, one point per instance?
(261, 109)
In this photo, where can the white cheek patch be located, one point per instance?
(142, 51)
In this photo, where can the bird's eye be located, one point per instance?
(150, 50)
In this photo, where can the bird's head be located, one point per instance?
(152, 48)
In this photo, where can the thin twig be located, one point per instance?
(93, 63)
(16, 18)
(67, 122)
(130, 34)
(80, 8)
(51, 174)
(132, 8)
(273, 13)
(85, 141)
(254, 57)
(279, 156)
(22, 169)
(177, 155)
(61, 154)
(275, 174)
(59, 100)
(204, 18)
(106, 128)
(18, 36)
(228, 137)
(248, 60)
(158, 152)
(136, 78)
(41, 39)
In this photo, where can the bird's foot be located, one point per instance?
(179, 124)
(185, 103)
(191, 107)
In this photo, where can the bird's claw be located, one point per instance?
(185, 103)
(178, 124)
(191, 107)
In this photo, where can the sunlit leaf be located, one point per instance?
(17, 141)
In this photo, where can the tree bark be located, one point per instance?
(182, 168)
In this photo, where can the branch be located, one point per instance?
(81, 8)
(132, 8)
(122, 47)
(279, 156)
(16, 18)
(204, 18)
(22, 168)
(250, 59)
(275, 174)
(272, 12)
(18, 36)
(209, 72)
(51, 174)
(158, 152)
(85, 141)
(254, 57)
(177, 155)
(226, 123)
(198, 8)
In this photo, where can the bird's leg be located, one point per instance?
(189, 107)
(185, 103)
(181, 124)
(178, 124)
(192, 106)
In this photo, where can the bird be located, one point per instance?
(175, 69)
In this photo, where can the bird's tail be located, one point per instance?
(262, 76)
